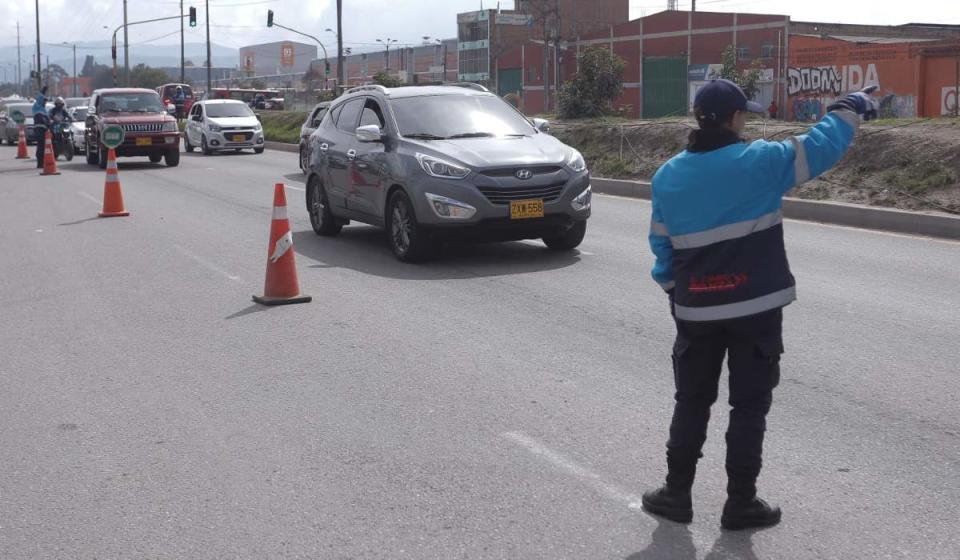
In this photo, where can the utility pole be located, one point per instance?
(39, 61)
(75, 94)
(341, 71)
(126, 48)
(209, 62)
(19, 75)
(181, 43)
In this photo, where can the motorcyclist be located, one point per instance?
(59, 120)
(41, 122)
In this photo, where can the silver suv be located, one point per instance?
(438, 163)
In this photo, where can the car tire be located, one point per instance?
(187, 146)
(204, 147)
(303, 159)
(408, 239)
(91, 155)
(102, 159)
(155, 158)
(318, 206)
(258, 150)
(171, 158)
(569, 240)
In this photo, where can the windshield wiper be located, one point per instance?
(424, 136)
(473, 135)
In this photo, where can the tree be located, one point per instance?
(257, 83)
(89, 67)
(748, 80)
(146, 77)
(598, 82)
(386, 80)
(102, 77)
(188, 63)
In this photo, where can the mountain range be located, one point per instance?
(151, 55)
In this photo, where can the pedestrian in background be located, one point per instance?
(41, 123)
(772, 109)
(717, 234)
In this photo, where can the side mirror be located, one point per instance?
(171, 108)
(543, 125)
(369, 133)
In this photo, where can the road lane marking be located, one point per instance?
(295, 188)
(571, 467)
(91, 198)
(207, 263)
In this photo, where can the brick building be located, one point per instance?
(428, 63)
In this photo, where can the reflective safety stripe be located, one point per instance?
(739, 309)
(279, 212)
(727, 232)
(668, 286)
(800, 166)
(112, 178)
(658, 228)
(848, 117)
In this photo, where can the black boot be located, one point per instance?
(674, 504)
(754, 513)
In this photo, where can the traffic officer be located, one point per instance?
(717, 235)
(41, 122)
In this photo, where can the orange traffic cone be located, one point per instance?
(49, 162)
(22, 145)
(281, 286)
(112, 194)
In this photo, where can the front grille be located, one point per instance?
(247, 136)
(148, 127)
(503, 196)
(511, 171)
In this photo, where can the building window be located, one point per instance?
(532, 74)
(473, 31)
(767, 51)
(743, 53)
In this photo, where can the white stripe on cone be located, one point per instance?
(279, 212)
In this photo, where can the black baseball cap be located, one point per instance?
(721, 98)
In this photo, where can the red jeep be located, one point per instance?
(149, 129)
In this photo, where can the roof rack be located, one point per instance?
(469, 85)
(368, 87)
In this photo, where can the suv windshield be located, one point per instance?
(219, 110)
(458, 116)
(131, 103)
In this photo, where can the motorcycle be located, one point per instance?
(62, 139)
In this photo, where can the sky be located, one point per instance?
(236, 23)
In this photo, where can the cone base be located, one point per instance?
(23, 157)
(267, 300)
(113, 214)
(53, 173)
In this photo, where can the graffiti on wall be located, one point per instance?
(949, 99)
(830, 80)
(898, 107)
(808, 109)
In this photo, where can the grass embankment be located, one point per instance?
(282, 126)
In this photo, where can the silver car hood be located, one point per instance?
(538, 149)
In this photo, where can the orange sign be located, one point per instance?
(286, 54)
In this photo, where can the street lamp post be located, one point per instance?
(387, 44)
(113, 41)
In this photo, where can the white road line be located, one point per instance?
(571, 467)
(91, 198)
(207, 263)
(295, 188)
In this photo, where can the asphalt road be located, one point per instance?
(501, 402)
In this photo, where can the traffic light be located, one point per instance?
(193, 17)
(269, 18)
(326, 68)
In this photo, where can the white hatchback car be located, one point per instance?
(222, 124)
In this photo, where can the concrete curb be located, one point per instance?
(838, 213)
(282, 147)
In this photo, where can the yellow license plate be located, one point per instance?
(523, 209)
(144, 141)
(239, 137)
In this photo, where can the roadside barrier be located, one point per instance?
(281, 286)
(49, 161)
(112, 193)
(22, 145)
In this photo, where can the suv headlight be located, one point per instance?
(582, 200)
(170, 126)
(213, 127)
(436, 167)
(576, 162)
(450, 208)
(257, 127)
